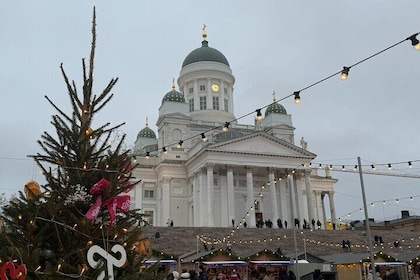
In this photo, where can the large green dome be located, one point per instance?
(275, 108)
(146, 133)
(174, 96)
(205, 53)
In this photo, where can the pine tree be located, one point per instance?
(48, 230)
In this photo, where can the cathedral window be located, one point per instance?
(202, 87)
(225, 90)
(226, 105)
(203, 103)
(149, 194)
(191, 104)
(215, 103)
(191, 90)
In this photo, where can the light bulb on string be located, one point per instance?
(226, 127)
(297, 97)
(414, 42)
(203, 137)
(345, 73)
(389, 166)
(180, 144)
(259, 115)
(410, 165)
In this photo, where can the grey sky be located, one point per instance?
(280, 46)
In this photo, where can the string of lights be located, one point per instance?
(311, 236)
(296, 94)
(373, 166)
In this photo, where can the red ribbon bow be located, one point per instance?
(15, 272)
(121, 203)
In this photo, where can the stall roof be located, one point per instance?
(225, 263)
(391, 264)
(163, 262)
(272, 263)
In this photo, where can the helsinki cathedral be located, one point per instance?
(202, 168)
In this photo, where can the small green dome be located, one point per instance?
(275, 108)
(146, 133)
(205, 53)
(174, 96)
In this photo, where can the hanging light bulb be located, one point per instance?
(164, 150)
(330, 167)
(389, 166)
(414, 41)
(373, 167)
(203, 137)
(226, 127)
(259, 115)
(343, 168)
(180, 143)
(320, 166)
(410, 165)
(147, 155)
(297, 97)
(344, 73)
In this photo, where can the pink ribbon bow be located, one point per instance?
(121, 203)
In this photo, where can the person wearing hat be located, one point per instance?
(185, 275)
(203, 273)
(234, 276)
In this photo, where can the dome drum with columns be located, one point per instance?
(215, 177)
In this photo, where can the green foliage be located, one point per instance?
(49, 233)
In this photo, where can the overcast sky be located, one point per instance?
(280, 46)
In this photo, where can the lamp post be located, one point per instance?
(372, 260)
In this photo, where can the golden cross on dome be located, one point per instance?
(147, 121)
(274, 95)
(173, 83)
(204, 31)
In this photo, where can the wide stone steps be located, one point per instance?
(179, 240)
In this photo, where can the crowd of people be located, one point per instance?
(222, 274)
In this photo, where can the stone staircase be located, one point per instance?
(179, 240)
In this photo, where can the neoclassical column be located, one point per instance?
(223, 198)
(196, 200)
(203, 198)
(196, 97)
(210, 195)
(166, 201)
(324, 216)
(138, 196)
(250, 198)
(309, 195)
(273, 196)
(319, 211)
(300, 209)
(231, 194)
(283, 185)
(292, 199)
(209, 95)
(332, 207)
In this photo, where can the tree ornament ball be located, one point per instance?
(32, 189)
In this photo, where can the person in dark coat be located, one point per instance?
(203, 275)
(318, 275)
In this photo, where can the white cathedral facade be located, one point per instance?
(204, 169)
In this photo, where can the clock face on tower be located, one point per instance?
(215, 87)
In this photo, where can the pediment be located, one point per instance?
(263, 144)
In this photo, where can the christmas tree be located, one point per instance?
(79, 224)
